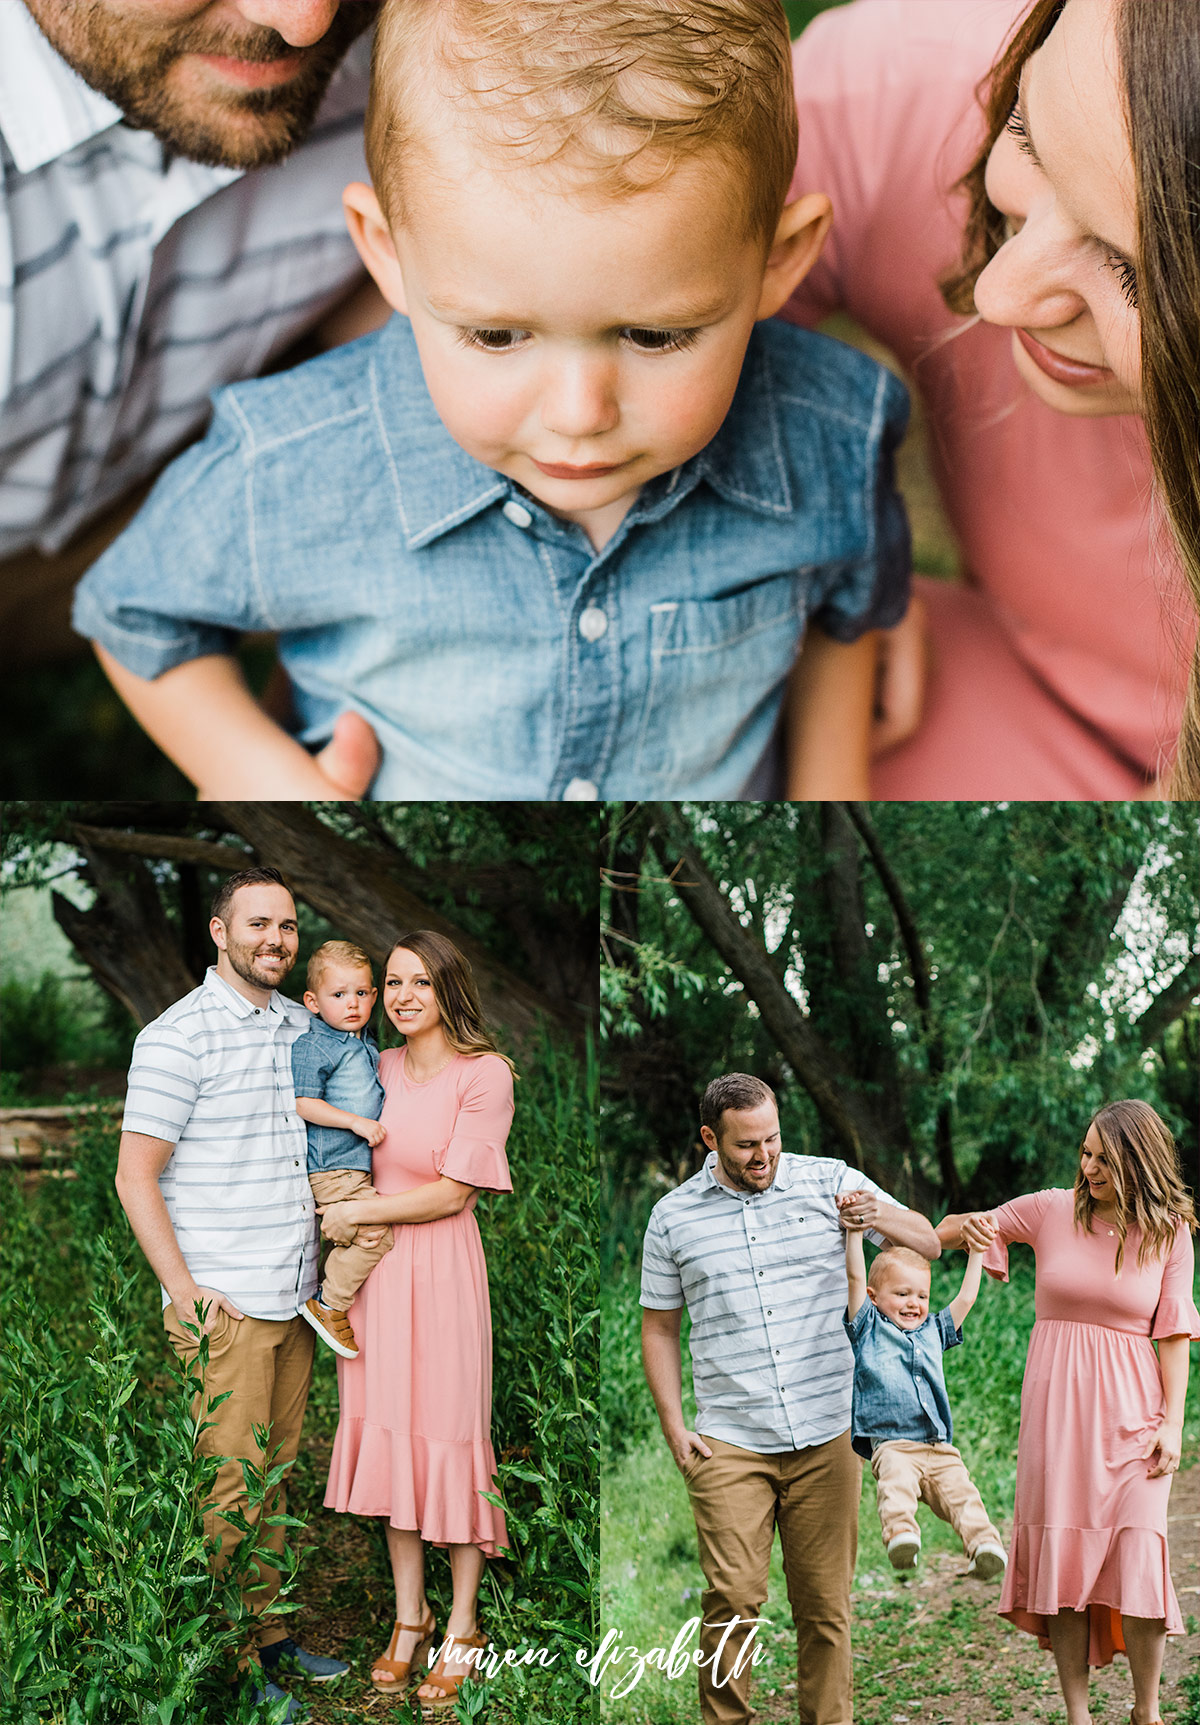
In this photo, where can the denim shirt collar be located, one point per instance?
(438, 486)
(318, 1027)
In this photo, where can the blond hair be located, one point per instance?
(895, 1255)
(623, 89)
(333, 952)
(1143, 1165)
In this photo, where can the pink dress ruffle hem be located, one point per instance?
(1089, 1525)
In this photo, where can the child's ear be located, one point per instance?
(871, 1296)
(311, 1001)
(373, 241)
(796, 248)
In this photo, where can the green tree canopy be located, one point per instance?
(941, 993)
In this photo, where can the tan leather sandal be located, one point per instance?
(399, 1669)
(448, 1686)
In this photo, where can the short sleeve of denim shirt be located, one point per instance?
(872, 592)
(950, 1337)
(311, 1065)
(180, 582)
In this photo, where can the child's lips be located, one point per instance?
(560, 470)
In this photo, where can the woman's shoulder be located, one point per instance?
(484, 1073)
(389, 1060)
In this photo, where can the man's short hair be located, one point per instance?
(625, 89)
(332, 952)
(890, 1257)
(247, 877)
(736, 1090)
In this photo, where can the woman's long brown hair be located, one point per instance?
(1143, 1165)
(1159, 48)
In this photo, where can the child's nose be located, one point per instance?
(579, 399)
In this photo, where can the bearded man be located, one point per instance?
(212, 1173)
(170, 221)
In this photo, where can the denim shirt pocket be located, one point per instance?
(714, 663)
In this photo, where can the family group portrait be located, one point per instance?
(603, 399)
(898, 1145)
(297, 1402)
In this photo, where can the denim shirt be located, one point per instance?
(899, 1388)
(342, 1069)
(497, 654)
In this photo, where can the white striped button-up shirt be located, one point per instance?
(213, 1076)
(763, 1276)
(133, 282)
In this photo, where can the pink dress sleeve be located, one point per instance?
(1176, 1314)
(475, 1154)
(1017, 1222)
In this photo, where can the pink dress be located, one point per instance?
(1060, 661)
(413, 1439)
(1089, 1525)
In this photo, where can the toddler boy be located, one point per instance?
(559, 529)
(900, 1418)
(335, 1067)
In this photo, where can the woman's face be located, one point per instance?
(1062, 174)
(1094, 1162)
(408, 997)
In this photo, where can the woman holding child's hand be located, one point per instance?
(413, 1441)
(1101, 1410)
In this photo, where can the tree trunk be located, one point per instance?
(125, 938)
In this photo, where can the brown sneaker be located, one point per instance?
(332, 1327)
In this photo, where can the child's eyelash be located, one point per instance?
(1126, 276)
(661, 340)
(491, 340)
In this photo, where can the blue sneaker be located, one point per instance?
(291, 1714)
(286, 1656)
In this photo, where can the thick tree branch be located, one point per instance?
(1169, 1003)
(168, 846)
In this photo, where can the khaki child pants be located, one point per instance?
(347, 1267)
(738, 1499)
(266, 1365)
(935, 1474)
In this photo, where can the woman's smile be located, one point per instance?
(1075, 373)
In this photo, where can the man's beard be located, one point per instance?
(242, 957)
(229, 128)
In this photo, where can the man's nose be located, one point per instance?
(579, 397)
(299, 22)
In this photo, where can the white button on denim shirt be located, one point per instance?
(330, 504)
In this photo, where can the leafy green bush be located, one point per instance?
(58, 1020)
(108, 1611)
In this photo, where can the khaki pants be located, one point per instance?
(266, 1365)
(738, 1499)
(347, 1267)
(936, 1474)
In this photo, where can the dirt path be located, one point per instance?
(934, 1652)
